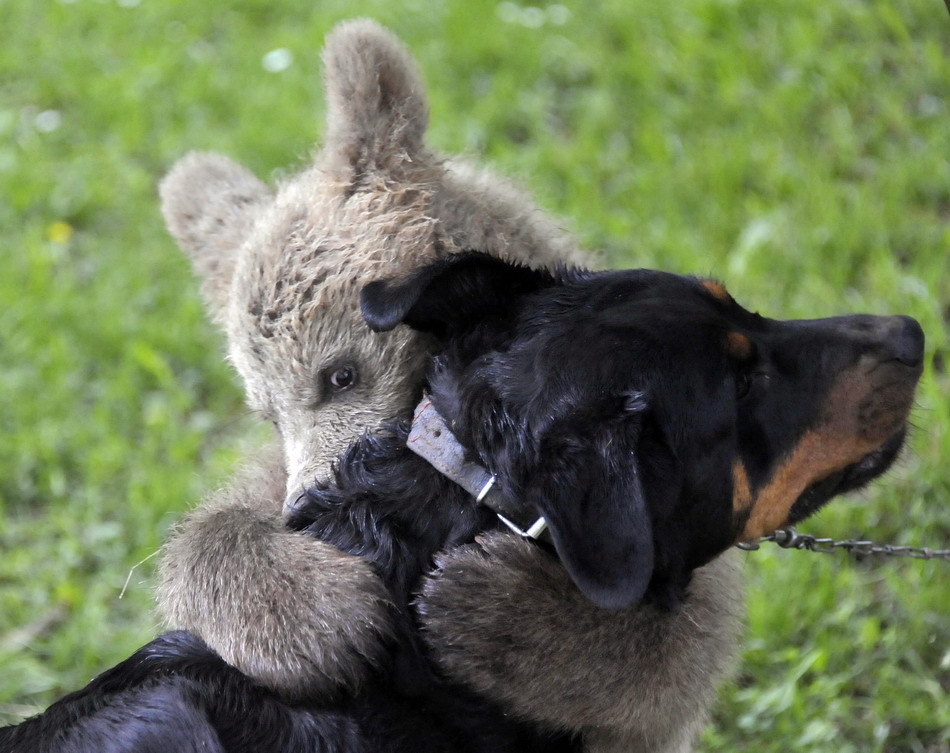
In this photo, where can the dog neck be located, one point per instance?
(432, 440)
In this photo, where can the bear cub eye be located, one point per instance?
(343, 378)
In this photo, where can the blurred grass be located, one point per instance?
(797, 149)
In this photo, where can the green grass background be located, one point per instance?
(797, 149)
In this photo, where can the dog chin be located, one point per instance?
(848, 479)
(667, 594)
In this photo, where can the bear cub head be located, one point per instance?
(282, 268)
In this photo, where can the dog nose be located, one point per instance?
(907, 341)
(897, 339)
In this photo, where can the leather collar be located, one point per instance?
(431, 439)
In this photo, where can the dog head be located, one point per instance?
(652, 420)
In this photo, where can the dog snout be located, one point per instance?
(906, 341)
(885, 339)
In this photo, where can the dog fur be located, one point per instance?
(645, 415)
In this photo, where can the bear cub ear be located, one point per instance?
(377, 111)
(210, 205)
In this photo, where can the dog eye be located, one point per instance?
(343, 378)
(745, 381)
(743, 384)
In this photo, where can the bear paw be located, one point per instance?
(298, 615)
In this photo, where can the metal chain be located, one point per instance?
(789, 538)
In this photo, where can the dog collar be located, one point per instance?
(431, 439)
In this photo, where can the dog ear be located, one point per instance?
(588, 489)
(450, 296)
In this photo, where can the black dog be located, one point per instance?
(646, 416)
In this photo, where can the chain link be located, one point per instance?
(789, 538)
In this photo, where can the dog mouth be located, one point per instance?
(848, 479)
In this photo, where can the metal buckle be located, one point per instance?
(534, 530)
(485, 489)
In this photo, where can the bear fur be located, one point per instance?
(281, 271)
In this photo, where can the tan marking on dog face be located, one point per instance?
(717, 290)
(741, 491)
(739, 346)
(858, 417)
(818, 455)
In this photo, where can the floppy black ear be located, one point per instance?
(450, 295)
(589, 490)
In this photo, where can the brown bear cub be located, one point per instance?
(281, 272)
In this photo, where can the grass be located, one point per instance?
(796, 148)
